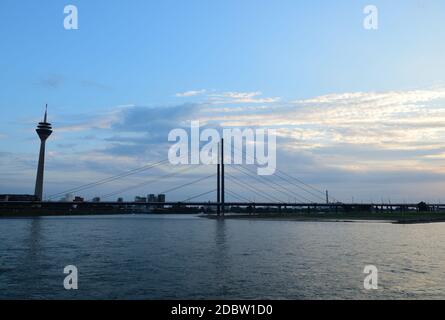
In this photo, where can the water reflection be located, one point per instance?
(222, 257)
(33, 243)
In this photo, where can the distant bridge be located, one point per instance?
(309, 207)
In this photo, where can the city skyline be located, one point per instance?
(358, 112)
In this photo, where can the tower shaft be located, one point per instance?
(218, 183)
(40, 171)
(222, 179)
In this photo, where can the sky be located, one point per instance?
(359, 112)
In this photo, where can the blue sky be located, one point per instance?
(142, 54)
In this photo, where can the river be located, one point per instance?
(188, 257)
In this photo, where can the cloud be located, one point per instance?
(52, 81)
(391, 119)
(55, 81)
(192, 93)
(230, 97)
(88, 121)
(143, 131)
(240, 97)
(150, 119)
(95, 85)
(66, 145)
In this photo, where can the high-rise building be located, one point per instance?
(161, 199)
(152, 198)
(140, 199)
(69, 197)
(78, 199)
(44, 130)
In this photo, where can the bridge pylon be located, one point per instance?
(220, 194)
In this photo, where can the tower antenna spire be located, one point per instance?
(46, 113)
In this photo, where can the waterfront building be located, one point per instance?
(17, 197)
(140, 199)
(78, 199)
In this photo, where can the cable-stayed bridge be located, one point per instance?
(231, 185)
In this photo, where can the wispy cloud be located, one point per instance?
(192, 93)
(230, 97)
(90, 121)
(240, 97)
(95, 85)
(53, 81)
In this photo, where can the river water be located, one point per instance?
(188, 257)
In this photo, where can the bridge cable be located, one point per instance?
(282, 172)
(199, 195)
(271, 184)
(109, 179)
(287, 191)
(293, 183)
(146, 183)
(187, 184)
(254, 189)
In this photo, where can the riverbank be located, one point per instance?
(399, 218)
